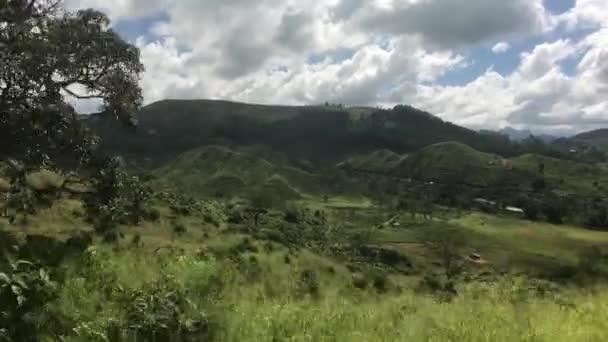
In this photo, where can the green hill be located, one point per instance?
(306, 135)
(220, 171)
(378, 161)
(451, 161)
(597, 138)
(455, 163)
(589, 146)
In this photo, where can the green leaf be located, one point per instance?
(21, 300)
(16, 290)
(4, 278)
(44, 275)
(21, 283)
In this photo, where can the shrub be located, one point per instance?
(179, 229)
(291, 216)
(25, 288)
(309, 283)
(80, 241)
(161, 312)
(359, 281)
(152, 215)
(593, 262)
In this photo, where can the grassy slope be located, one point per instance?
(455, 162)
(270, 307)
(215, 169)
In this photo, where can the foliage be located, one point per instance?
(447, 244)
(597, 216)
(82, 57)
(117, 198)
(261, 203)
(25, 289)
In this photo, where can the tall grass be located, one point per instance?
(270, 306)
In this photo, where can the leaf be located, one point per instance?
(16, 290)
(44, 275)
(23, 263)
(4, 278)
(21, 300)
(21, 283)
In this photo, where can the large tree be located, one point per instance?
(49, 54)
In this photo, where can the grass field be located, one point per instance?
(257, 290)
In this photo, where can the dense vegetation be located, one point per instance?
(232, 222)
(308, 136)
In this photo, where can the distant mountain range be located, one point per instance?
(521, 135)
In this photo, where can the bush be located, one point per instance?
(80, 241)
(152, 215)
(179, 229)
(594, 262)
(309, 283)
(25, 289)
(161, 312)
(292, 216)
(359, 281)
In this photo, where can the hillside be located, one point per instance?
(221, 172)
(312, 135)
(597, 138)
(589, 146)
(455, 163)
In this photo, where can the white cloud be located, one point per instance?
(586, 13)
(456, 23)
(119, 9)
(395, 51)
(501, 47)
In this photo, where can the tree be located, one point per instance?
(554, 209)
(446, 243)
(48, 54)
(597, 216)
(116, 197)
(261, 203)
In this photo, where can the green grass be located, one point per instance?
(271, 307)
(506, 243)
(411, 317)
(336, 202)
(262, 297)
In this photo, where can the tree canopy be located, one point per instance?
(49, 54)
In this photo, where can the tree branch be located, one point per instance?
(81, 97)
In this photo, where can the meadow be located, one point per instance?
(210, 279)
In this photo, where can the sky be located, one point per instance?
(485, 64)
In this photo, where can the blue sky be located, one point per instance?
(535, 64)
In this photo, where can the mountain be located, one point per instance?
(308, 136)
(521, 135)
(589, 146)
(597, 138)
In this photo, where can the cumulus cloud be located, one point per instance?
(380, 52)
(501, 47)
(119, 9)
(455, 23)
(585, 14)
